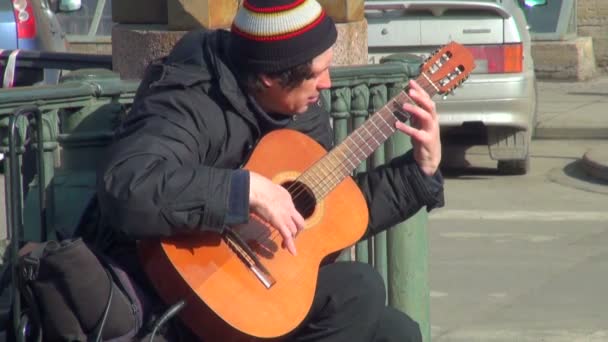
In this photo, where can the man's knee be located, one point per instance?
(396, 326)
(359, 285)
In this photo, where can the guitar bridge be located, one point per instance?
(248, 257)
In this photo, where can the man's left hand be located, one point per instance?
(424, 129)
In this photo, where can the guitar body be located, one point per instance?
(225, 300)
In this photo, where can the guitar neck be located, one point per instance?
(339, 163)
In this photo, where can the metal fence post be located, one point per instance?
(408, 281)
(407, 244)
(401, 254)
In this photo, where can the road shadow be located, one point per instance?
(468, 172)
(574, 175)
(576, 170)
(460, 162)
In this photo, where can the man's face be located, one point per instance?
(280, 100)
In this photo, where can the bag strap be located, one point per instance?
(32, 304)
(27, 271)
(98, 332)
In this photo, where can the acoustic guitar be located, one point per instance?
(242, 285)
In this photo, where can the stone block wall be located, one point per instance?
(572, 59)
(592, 17)
(135, 44)
(97, 47)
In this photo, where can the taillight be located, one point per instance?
(495, 59)
(24, 15)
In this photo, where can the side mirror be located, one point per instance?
(534, 3)
(69, 5)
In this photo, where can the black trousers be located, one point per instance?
(349, 306)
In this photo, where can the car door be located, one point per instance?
(8, 28)
(51, 35)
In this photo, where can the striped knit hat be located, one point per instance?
(275, 35)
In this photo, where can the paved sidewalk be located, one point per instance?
(576, 110)
(573, 110)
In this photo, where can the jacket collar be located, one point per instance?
(201, 56)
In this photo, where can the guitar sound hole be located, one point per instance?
(303, 198)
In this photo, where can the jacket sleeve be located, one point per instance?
(154, 181)
(397, 190)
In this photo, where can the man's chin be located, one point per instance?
(303, 110)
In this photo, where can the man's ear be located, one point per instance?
(266, 80)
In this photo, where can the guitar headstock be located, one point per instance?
(447, 68)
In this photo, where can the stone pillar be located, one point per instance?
(344, 11)
(136, 42)
(351, 46)
(134, 46)
(189, 14)
(139, 11)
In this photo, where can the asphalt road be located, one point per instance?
(522, 258)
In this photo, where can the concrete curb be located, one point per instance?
(584, 133)
(595, 163)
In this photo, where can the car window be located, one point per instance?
(82, 23)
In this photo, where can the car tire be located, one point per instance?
(514, 167)
(522, 166)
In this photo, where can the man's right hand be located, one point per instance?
(274, 204)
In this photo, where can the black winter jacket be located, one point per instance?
(191, 126)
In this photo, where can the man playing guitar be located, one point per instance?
(176, 166)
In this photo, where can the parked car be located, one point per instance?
(32, 25)
(497, 105)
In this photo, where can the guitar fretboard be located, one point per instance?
(329, 171)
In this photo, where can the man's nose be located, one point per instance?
(324, 80)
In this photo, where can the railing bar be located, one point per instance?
(58, 60)
(15, 219)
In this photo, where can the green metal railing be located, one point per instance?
(87, 106)
(78, 118)
(74, 122)
(400, 254)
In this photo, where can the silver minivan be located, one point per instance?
(497, 105)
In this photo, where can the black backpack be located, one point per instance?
(68, 293)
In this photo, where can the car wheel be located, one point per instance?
(512, 150)
(514, 167)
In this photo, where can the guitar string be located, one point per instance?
(424, 81)
(324, 185)
(302, 189)
(426, 87)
